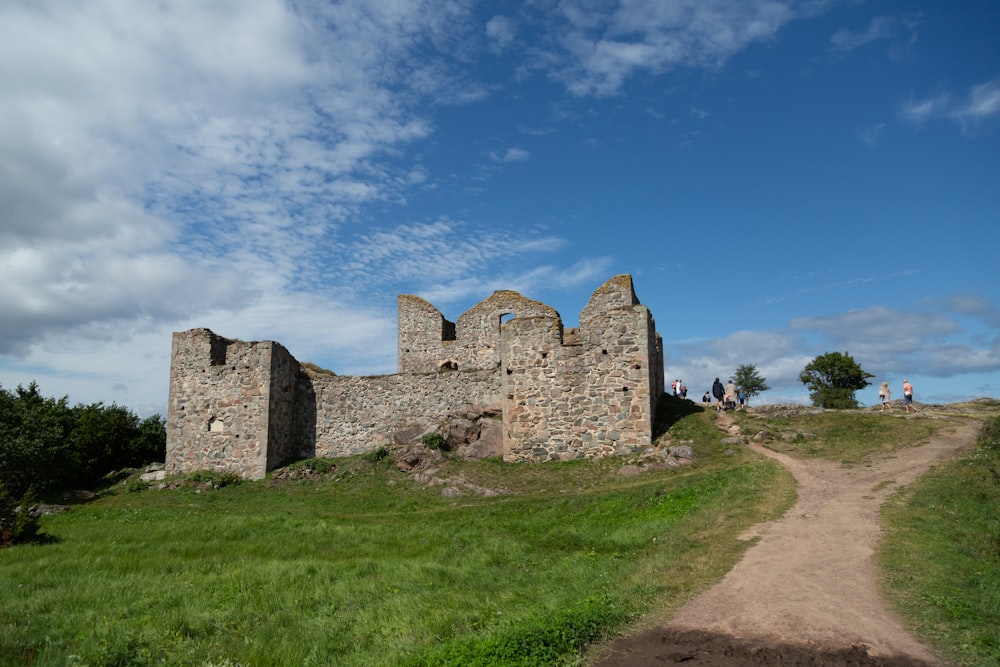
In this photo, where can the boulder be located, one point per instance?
(681, 452)
(489, 444)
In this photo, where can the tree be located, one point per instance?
(100, 441)
(832, 379)
(747, 379)
(48, 445)
(33, 431)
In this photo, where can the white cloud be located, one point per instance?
(870, 135)
(881, 27)
(512, 154)
(980, 106)
(918, 111)
(160, 161)
(968, 304)
(595, 52)
(501, 31)
(888, 342)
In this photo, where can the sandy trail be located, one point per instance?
(811, 581)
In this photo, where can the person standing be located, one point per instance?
(884, 395)
(719, 392)
(731, 394)
(908, 396)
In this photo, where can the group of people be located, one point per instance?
(726, 397)
(678, 389)
(885, 395)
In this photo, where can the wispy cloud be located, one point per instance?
(501, 32)
(870, 135)
(971, 112)
(594, 50)
(512, 154)
(881, 27)
(901, 31)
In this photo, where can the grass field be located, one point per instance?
(367, 567)
(941, 554)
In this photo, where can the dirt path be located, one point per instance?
(807, 592)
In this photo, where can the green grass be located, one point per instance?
(941, 554)
(362, 566)
(845, 436)
(365, 567)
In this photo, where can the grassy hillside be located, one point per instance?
(365, 565)
(941, 554)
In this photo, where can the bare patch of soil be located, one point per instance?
(807, 592)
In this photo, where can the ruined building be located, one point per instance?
(248, 407)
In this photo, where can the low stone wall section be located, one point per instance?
(352, 415)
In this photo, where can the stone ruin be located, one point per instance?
(506, 370)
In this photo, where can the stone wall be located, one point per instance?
(592, 398)
(353, 415)
(473, 342)
(220, 407)
(587, 392)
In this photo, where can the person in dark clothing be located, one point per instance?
(719, 392)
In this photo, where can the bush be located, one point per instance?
(17, 524)
(434, 441)
(217, 480)
(136, 485)
(320, 466)
(376, 455)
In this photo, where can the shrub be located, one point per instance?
(376, 455)
(434, 441)
(217, 480)
(136, 485)
(320, 466)
(17, 523)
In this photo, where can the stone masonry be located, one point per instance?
(248, 407)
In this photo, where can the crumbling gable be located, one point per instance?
(429, 343)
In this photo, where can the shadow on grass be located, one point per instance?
(670, 410)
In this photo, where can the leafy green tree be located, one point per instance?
(832, 379)
(33, 432)
(150, 443)
(48, 445)
(100, 441)
(749, 380)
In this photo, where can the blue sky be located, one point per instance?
(782, 179)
